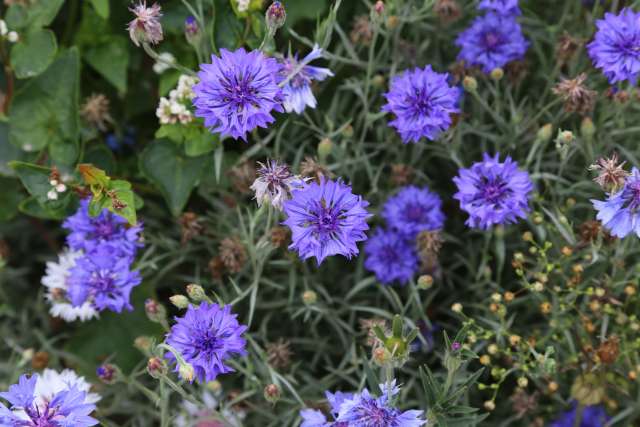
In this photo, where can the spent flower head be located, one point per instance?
(611, 173)
(146, 27)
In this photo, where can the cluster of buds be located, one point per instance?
(11, 36)
(175, 108)
(57, 186)
(195, 293)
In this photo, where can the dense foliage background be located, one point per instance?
(545, 310)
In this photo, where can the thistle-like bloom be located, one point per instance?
(33, 403)
(414, 210)
(274, 183)
(614, 48)
(297, 91)
(237, 92)
(611, 173)
(620, 213)
(422, 102)
(592, 416)
(326, 219)
(501, 7)
(56, 280)
(88, 232)
(391, 257)
(492, 42)
(95, 111)
(205, 337)
(493, 193)
(103, 279)
(146, 27)
(576, 96)
(365, 410)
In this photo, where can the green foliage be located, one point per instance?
(33, 53)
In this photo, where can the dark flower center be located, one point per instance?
(240, 91)
(41, 419)
(414, 212)
(491, 40)
(633, 195)
(492, 191)
(101, 282)
(327, 219)
(104, 229)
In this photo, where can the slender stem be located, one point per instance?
(154, 55)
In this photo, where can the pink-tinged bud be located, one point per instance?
(276, 16)
(107, 373)
(272, 393)
(146, 27)
(379, 7)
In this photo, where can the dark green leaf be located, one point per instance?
(101, 7)
(30, 206)
(100, 156)
(42, 13)
(111, 60)
(33, 53)
(10, 198)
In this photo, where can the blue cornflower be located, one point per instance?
(502, 7)
(592, 416)
(237, 92)
(326, 219)
(103, 279)
(88, 232)
(391, 256)
(297, 91)
(29, 407)
(492, 192)
(620, 213)
(614, 48)
(491, 42)
(414, 210)
(315, 418)
(423, 102)
(205, 337)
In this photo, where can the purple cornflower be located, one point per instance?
(237, 92)
(315, 418)
(103, 278)
(274, 183)
(391, 257)
(205, 337)
(88, 232)
(146, 27)
(592, 416)
(502, 7)
(491, 42)
(326, 219)
(492, 192)
(614, 48)
(620, 213)
(422, 102)
(297, 91)
(29, 408)
(413, 210)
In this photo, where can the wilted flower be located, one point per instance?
(233, 254)
(310, 168)
(279, 236)
(447, 10)
(391, 257)
(491, 42)
(577, 97)
(611, 174)
(501, 7)
(401, 174)
(279, 354)
(242, 176)
(146, 27)
(237, 92)
(412, 210)
(362, 31)
(368, 325)
(274, 183)
(95, 111)
(620, 212)
(190, 227)
(326, 219)
(493, 193)
(205, 337)
(422, 102)
(567, 47)
(613, 49)
(297, 92)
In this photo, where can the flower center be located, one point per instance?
(414, 212)
(326, 221)
(104, 229)
(493, 191)
(491, 40)
(101, 282)
(633, 195)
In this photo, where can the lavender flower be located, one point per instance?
(391, 257)
(491, 42)
(205, 337)
(413, 210)
(502, 7)
(103, 279)
(237, 92)
(592, 416)
(422, 102)
(297, 91)
(619, 213)
(146, 27)
(34, 403)
(614, 47)
(326, 219)
(274, 183)
(493, 193)
(89, 232)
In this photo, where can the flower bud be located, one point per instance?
(324, 149)
(155, 312)
(587, 128)
(142, 343)
(156, 367)
(107, 373)
(489, 405)
(272, 393)
(196, 292)
(545, 132)
(425, 281)
(497, 74)
(379, 7)
(523, 382)
(470, 84)
(13, 36)
(191, 30)
(180, 301)
(186, 372)
(456, 307)
(381, 356)
(276, 16)
(309, 297)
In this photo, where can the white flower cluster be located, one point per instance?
(243, 5)
(56, 187)
(175, 108)
(52, 382)
(12, 36)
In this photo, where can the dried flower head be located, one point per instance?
(233, 254)
(362, 31)
(274, 183)
(611, 174)
(428, 244)
(367, 326)
(576, 96)
(523, 402)
(146, 27)
(310, 168)
(448, 11)
(216, 268)
(242, 177)
(95, 111)
(280, 236)
(401, 174)
(190, 227)
(279, 354)
(567, 47)
(609, 350)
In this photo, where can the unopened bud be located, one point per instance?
(13, 36)
(470, 84)
(186, 372)
(392, 22)
(545, 132)
(497, 74)
(523, 382)
(456, 308)
(381, 356)
(196, 292)
(425, 281)
(309, 297)
(378, 80)
(379, 7)
(156, 367)
(155, 312)
(179, 301)
(276, 16)
(142, 343)
(191, 29)
(272, 393)
(489, 405)
(107, 373)
(587, 128)
(324, 149)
